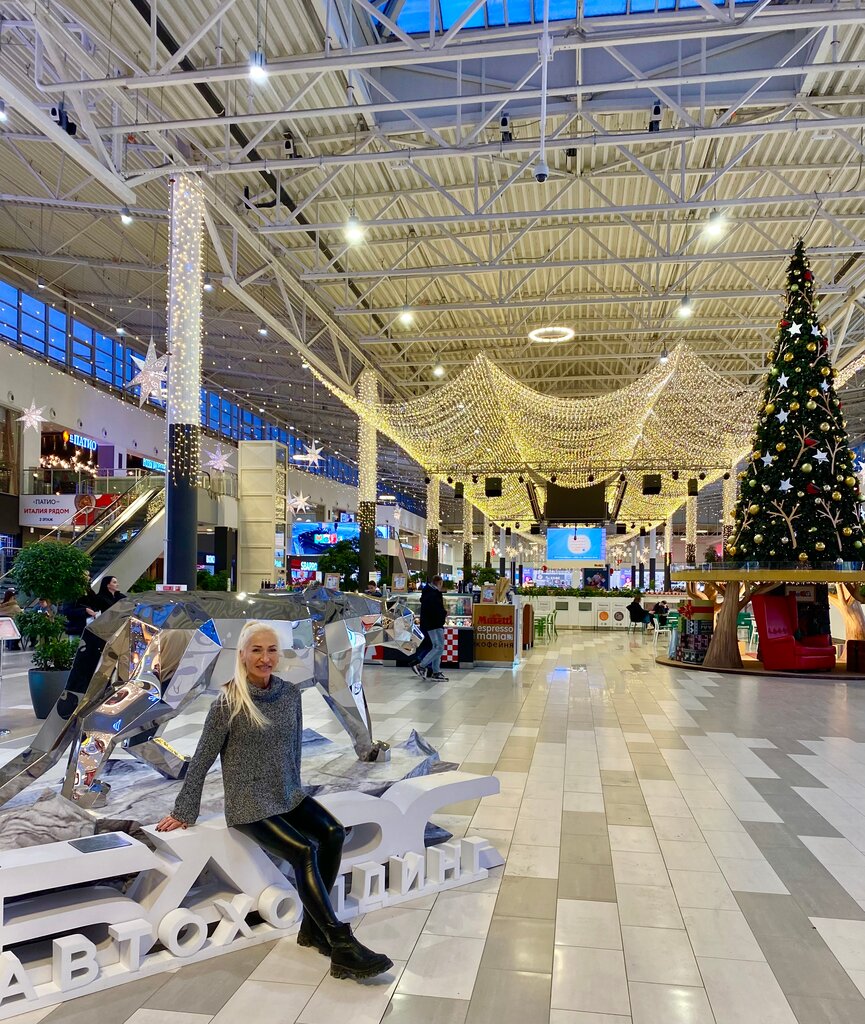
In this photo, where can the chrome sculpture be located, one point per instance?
(144, 661)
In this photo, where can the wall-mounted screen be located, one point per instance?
(584, 544)
(316, 538)
(576, 504)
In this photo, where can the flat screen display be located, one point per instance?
(316, 538)
(576, 504)
(584, 544)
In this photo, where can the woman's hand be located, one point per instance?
(169, 824)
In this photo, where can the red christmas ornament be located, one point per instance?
(811, 489)
(785, 323)
(809, 276)
(810, 442)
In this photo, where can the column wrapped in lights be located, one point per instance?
(668, 552)
(433, 515)
(729, 494)
(691, 530)
(488, 543)
(367, 393)
(653, 556)
(183, 419)
(468, 538)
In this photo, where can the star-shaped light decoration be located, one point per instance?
(397, 514)
(32, 417)
(151, 376)
(783, 380)
(795, 328)
(767, 459)
(298, 503)
(821, 457)
(783, 415)
(786, 485)
(816, 330)
(824, 386)
(312, 455)
(219, 461)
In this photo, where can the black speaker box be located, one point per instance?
(493, 486)
(535, 529)
(621, 527)
(459, 490)
(652, 483)
(693, 487)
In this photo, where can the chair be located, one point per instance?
(777, 621)
(659, 629)
(638, 617)
(541, 627)
(551, 625)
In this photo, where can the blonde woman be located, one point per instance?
(255, 727)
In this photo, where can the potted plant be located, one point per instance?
(52, 660)
(51, 572)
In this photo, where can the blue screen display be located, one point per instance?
(316, 538)
(585, 544)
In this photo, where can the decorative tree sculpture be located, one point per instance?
(799, 498)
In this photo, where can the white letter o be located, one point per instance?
(172, 926)
(279, 906)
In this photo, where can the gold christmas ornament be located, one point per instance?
(788, 357)
(758, 538)
(825, 371)
(811, 404)
(814, 392)
(820, 546)
(756, 455)
(850, 481)
(753, 509)
(811, 346)
(857, 543)
(780, 446)
(836, 495)
(794, 406)
(770, 408)
(824, 426)
(847, 531)
(806, 467)
(803, 557)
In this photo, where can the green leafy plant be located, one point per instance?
(52, 570)
(36, 626)
(213, 581)
(482, 575)
(55, 654)
(142, 585)
(710, 554)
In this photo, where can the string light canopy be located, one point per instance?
(680, 417)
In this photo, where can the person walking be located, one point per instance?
(432, 621)
(255, 727)
(109, 594)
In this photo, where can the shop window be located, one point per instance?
(82, 331)
(56, 344)
(32, 307)
(8, 295)
(104, 358)
(82, 356)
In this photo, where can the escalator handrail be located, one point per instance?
(93, 535)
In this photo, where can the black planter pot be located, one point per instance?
(45, 688)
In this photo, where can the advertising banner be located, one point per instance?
(495, 632)
(49, 511)
(581, 544)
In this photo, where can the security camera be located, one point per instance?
(542, 172)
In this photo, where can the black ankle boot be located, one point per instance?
(350, 959)
(311, 935)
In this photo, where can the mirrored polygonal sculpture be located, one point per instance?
(144, 661)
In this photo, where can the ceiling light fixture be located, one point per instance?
(208, 284)
(406, 316)
(257, 65)
(664, 356)
(716, 223)
(3, 115)
(552, 334)
(353, 232)
(40, 283)
(438, 370)
(686, 308)
(126, 217)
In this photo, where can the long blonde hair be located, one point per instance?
(236, 693)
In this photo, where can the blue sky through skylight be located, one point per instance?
(414, 14)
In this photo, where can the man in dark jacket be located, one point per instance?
(432, 621)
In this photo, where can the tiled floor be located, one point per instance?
(682, 848)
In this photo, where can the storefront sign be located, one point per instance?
(46, 958)
(495, 632)
(804, 594)
(80, 441)
(157, 467)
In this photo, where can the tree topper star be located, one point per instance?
(32, 417)
(151, 374)
(783, 380)
(783, 415)
(220, 460)
(786, 485)
(795, 328)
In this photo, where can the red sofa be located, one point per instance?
(777, 621)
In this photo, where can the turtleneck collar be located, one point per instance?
(272, 692)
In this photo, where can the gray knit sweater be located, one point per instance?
(260, 766)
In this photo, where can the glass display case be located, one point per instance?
(459, 630)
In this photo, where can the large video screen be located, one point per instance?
(576, 504)
(316, 538)
(584, 544)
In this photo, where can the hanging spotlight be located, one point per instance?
(591, 478)
(262, 331)
(702, 476)
(126, 217)
(675, 474)
(208, 283)
(505, 125)
(685, 307)
(450, 479)
(664, 356)
(257, 65)
(40, 283)
(716, 223)
(655, 118)
(553, 478)
(3, 115)
(406, 316)
(353, 232)
(121, 331)
(622, 478)
(726, 476)
(438, 370)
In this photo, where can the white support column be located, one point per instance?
(433, 515)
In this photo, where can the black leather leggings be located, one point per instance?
(310, 839)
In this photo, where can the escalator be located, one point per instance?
(128, 537)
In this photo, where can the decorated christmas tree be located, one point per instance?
(799, 499)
